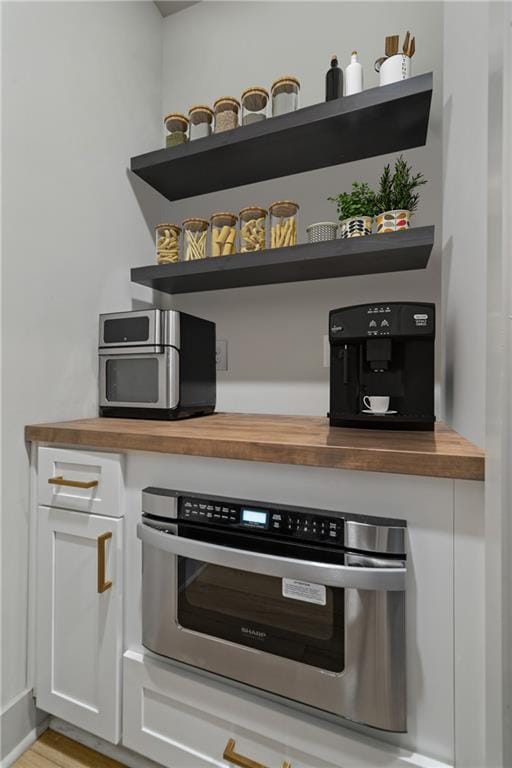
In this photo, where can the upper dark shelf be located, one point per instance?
(391, 252)
(385, 119)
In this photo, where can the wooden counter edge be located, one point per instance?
(450, 466)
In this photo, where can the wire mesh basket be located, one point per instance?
(322, 230)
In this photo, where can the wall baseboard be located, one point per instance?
(20, 725)
(115, 752)
(25, 744)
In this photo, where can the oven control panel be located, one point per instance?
(293, 525)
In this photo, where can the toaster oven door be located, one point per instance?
(118, 329)
(140, 379)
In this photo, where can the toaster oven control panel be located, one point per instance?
(277, 522)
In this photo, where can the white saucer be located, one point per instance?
(376, 413)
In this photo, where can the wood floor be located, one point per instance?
(52, 750)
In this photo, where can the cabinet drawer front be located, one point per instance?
(81, 480)
(178, 717)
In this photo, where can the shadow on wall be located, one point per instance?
(448, 336)
(151, 204)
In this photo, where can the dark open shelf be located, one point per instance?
(377, 121)
(391, 252)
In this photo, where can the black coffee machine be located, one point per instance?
(382, 350)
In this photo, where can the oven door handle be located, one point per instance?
(330, 575)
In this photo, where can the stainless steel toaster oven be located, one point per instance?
(156, 364)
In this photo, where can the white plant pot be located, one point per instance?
(393, 221)
(356, 226)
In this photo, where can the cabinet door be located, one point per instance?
(79, 619)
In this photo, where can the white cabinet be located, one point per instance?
(79, 619)
(182, 719)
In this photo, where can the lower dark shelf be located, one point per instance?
(374, 254)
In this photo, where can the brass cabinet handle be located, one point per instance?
(103, 585)
(245, 762)
(72, 483)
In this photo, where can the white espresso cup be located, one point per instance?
(376, 404)
(393, 68)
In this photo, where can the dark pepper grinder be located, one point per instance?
(334, 81)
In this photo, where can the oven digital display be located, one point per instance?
(255, 517)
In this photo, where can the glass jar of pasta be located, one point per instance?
(167, 243)
(223, 238)
(283, 223)
(253, 229)
(195, 232)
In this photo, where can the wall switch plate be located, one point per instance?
(221, 355)
(327, 352)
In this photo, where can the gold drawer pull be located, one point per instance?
(245, 762)
(103, 585)
(72, 483)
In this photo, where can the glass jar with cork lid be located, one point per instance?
(285, 95)
(177, 126)
(254, 105)
(167, 243)
(195, 232)
(253, 229)
(223, 239)
(201, 119)
(226, 113)
(283, 223)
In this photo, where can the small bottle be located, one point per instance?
(334, 81)
(353, 76)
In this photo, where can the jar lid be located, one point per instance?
(285, 80)
(195, 222)
(255, 208)
(226, 102)
(255, 98)
(176, 227)
(201, 110)
(175, 121)
(284, 207)
(226, 215)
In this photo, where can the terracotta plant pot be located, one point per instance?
(357, 226)
(393, 221)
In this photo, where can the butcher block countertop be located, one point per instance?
(303, 440)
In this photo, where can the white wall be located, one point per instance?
(275, 333)
(81, 93)
(465, 119)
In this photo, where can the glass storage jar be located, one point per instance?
(195, 232)
(254, 105)
(177, 126)
(167, 243)
(253, 229)
(285, 95)
(226, 113)
(201, 119)
(223, 237)
(283, 223)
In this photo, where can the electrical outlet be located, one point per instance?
(221, 355)
(327, 352)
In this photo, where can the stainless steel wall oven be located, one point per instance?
(304, 604)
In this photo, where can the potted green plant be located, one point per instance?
(356, 210)
(397, 197)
